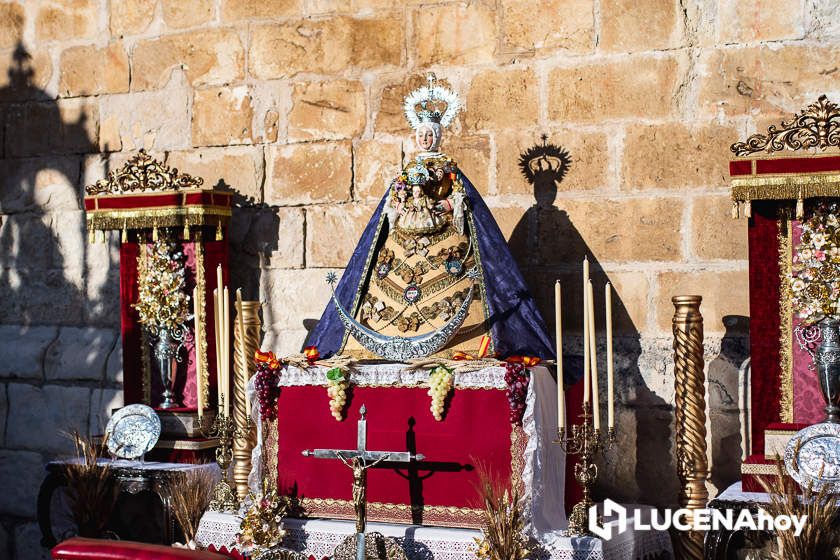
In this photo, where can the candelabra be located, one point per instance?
(584, 441)
(224, 428)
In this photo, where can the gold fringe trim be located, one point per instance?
(384, 512)
(176, 216)
(784, 237)
(201, 344)
(787, 187)
(760, 468)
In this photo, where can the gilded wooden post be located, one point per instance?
(692, 464)
(246, 341)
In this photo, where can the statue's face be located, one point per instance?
(425, 138)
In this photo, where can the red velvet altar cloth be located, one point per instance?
(147, 210)
(440, 490)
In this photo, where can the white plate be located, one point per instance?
(133, 431)
(817, 461)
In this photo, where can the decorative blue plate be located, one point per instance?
(133, 431)
(812, 456)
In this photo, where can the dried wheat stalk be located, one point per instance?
(93, 491)
(190, 493)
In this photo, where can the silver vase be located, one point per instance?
(166, 353)
(822, 342)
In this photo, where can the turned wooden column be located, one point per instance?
(246, 341)
(689, 379)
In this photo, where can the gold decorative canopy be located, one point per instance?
(816, 126)
(147, 194)
(793, 162)
(143, 173)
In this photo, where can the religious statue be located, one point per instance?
(420, 280)
(359, 468)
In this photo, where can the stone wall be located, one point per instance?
(296, 105)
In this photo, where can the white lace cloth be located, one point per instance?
(320, 537)
(735, 494)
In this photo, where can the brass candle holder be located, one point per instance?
(225, 429)
(584, 441)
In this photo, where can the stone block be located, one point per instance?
(325, 46)
(79, 354)
(88, 70)
(285, 342)
(40, 297)
(622, 21)
(114, 366)
(470, 37)
(23, 349)
(66, 126)
(156, 121)
(631, 87)
(40, 417)
(130, 17)
(777, 81)
(207, 57)
(725, 444)
(26, 240)
(45, 183)
(762, 20)
(472, 153)
(12, 18)
(222, 116)
(23, 472)
(502, 99)
(676, 156)
(587, 170)
(271, 99)
(327, 110)
(178, 14)
(235, 10)
(375, 163)
(715, 234)
(539, 25)
(309, 173)
(650, 231)
(389, 116)
(28, 543)
(332, 233)
(237, 168)
(103, 401)
(725, 292)
(57, 20)
(821, 19)
(28, 82)
(102, 282)
(268, 237)
(282, 290)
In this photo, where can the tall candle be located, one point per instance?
(199, 376)
(217, 322)
(610, 365)
(561, 395)
(586, 379)
(596, 408)
(226, 345)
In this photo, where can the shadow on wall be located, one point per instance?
(548, 247)
(37, 284)
(253, 236)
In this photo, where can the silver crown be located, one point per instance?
(429, 98)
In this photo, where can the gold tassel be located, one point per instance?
(800, 206)
(219, 231)
(154, 234)
(735, 210)
(186, 232)
(92, 236)
(748, 209)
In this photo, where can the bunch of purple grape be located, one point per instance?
(267, 390)
(517, 377)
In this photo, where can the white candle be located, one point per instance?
(561, 396)
(596, 408)
(586, 379)
(226, 345)
(217, 321)
(199, 377)
(610, 366)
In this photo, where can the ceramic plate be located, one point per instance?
(133, 431)
(812, 456)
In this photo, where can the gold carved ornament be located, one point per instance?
(816, 127)
(143, 173)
